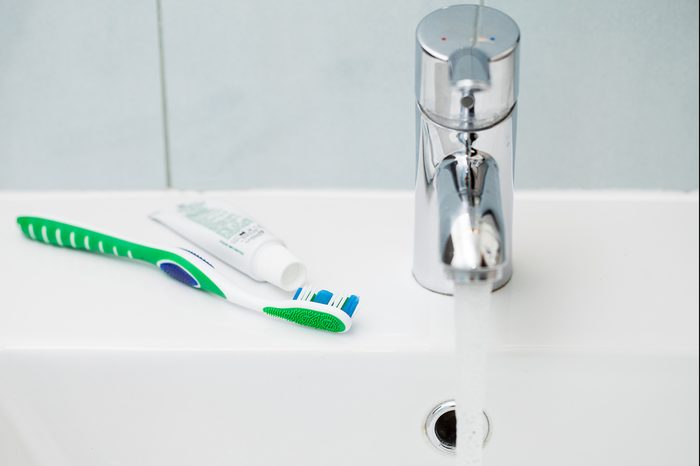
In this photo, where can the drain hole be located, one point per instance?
(446, 429)
(441, 427)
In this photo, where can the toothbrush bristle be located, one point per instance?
(350, 305)
(322, 296)
(347, 304)
(334, 300)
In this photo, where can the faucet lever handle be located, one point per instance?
(466, 66)
(469, 70)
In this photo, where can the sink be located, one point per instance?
(593, 356)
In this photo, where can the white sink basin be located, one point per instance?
(593, 360)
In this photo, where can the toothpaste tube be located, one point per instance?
(237, 240)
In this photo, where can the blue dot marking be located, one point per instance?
(492, 38)
(178, 273)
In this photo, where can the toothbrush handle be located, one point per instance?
(71, 236)
(84, 239)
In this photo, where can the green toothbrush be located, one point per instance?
(309, 307)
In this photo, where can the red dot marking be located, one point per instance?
(443, 38)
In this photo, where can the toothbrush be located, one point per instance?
(309, 307)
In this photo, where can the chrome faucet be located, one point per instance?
(466, 92)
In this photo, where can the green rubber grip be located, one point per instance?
(71, 236)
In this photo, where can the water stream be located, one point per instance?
(472, 306)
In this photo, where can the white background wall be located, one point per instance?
(318, 93)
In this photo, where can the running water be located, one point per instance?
(472, 305)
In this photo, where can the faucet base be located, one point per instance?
(446, 286)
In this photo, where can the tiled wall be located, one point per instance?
(80, 99)
(318, 93)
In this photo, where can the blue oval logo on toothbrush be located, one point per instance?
(177, 272)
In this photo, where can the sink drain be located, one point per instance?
(441, 427)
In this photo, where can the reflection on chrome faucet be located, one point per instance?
(471, 236)
(466, 94)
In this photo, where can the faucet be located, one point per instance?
(466, 94)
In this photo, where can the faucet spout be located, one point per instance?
(471, 219)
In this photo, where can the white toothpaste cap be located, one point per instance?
(274, 263)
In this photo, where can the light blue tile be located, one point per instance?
(609, 93)
(302, 94)
(80, 95)
(320, 93)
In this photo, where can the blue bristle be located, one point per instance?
(178, 273)
(350, 305)
(323, 297)
(296, 295)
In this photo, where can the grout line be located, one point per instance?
(164, 97)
